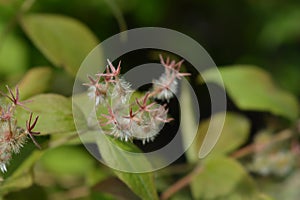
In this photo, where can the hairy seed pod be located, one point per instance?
(13, 137)
(141, 119)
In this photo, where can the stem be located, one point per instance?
(282, 135)
(10, 128)
(178, 169)
(183, 182)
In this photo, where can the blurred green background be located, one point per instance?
(263, 33)
(234, 32)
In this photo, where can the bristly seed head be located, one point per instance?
(166, 85)
(12, 136)
(141, 119)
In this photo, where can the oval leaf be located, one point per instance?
(252, 88)
(63, 40)
(35, 81)
(119, 155)
(234, 133)
(14, 58)
(79, 164)
(54, 111)
(189, 123)
(282, 28)
(140, 183)
(223, 178)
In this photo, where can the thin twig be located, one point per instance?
(181, 168)
(181, 183)
(282, 135)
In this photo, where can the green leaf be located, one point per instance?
(189, 124)
(120, 155)
(252, 88)
(13, 54)
(70, 138)
(54, 111)
(140, 183)
(35, 81)
(117, 154)
(282, 28)
(234, 133)
(79, 161)
(264, 197)
(102, 196)
(22, 177)
(223, 178)
(63, 40)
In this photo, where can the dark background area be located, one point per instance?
(262, 33)
(265, 34)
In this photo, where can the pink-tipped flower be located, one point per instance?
(143, 104)
(161, 114)
(111, 72)
(93, 82)
(166, 85)
(111, 118)
(30, 127)
(132, 117)
(96, 90)
(173, 67)
(13, 137)
(122, 90)
(141, 119)
(15, 98)
(6, 113)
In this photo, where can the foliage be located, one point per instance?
(42, 45)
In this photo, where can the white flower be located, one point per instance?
(144, 132)
(122, 90)
(166, 85)
(121, 132)
(93, 94)
(141, 119)
(120, 127)
(3, 167)
(12, 140)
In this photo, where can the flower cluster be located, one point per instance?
(12, 136)
(128, 118)
(166, 85)
(274, 159)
